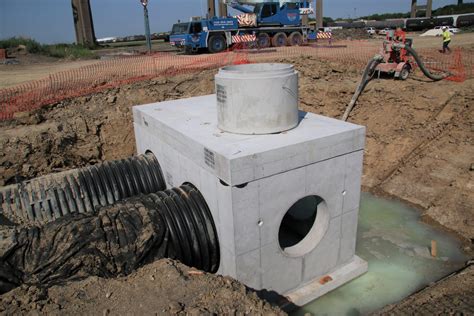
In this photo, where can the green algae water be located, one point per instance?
(396, 245)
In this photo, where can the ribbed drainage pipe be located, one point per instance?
(193, 236)
(83, 190)
(115, 240)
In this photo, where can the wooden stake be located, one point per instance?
(434, 248)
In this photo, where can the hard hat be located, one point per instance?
(445, 27)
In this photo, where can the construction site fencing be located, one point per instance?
(105, 74)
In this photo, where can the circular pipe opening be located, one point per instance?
(303, 226)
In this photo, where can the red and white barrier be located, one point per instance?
(244, 38)
(324, 35)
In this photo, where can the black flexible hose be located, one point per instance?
(422, 66)
(369, 69)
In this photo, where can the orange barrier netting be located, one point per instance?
(118, 71)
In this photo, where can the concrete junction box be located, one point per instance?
(285, 205)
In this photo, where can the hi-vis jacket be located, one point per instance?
(446, 36)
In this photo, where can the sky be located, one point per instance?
(50, 21)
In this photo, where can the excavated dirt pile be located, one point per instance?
(85, 130)
(163, 287)
(420, 149)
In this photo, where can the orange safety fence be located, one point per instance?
(123, 70)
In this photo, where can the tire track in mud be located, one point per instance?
(434, 130)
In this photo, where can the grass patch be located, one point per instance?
(68, 51)
(31, 45)
(71, 51)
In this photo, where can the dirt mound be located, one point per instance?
(86, 130)
(353, 34)
(162, 287)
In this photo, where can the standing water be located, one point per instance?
(397, 247)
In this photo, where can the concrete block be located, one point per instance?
(312, 290)
(227, 228)
(249, 183)
(352, 182)
(276, 195)
(326, 179)
(190, 126)
(248, 269)
(187, 171)
(280, 273)
(169, 159)
(246, 217)
(228, 263)
(208, 185)
(325, 256)
(348, 236)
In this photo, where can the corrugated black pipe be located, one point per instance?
(193, 235)
(114, 240)
(83, 190)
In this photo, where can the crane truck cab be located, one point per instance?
(184, 33)
(211, 34)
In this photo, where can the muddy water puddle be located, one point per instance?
(397, 246)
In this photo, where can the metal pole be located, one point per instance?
(147, 28)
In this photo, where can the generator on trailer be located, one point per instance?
(265, 22)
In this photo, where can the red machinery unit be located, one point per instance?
(396, 59)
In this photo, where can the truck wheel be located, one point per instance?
(263, 40)
(217, 43)
(188, 50)
(279, 40)
(295, 39)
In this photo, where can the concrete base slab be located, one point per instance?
(328, 282)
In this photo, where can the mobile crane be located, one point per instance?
(267, 22)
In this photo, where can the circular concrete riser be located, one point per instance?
(257, 98)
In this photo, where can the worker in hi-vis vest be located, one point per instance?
(446, 39)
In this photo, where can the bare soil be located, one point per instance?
(85, 130)
(163, 287)
(34, 67)
(420, 137)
